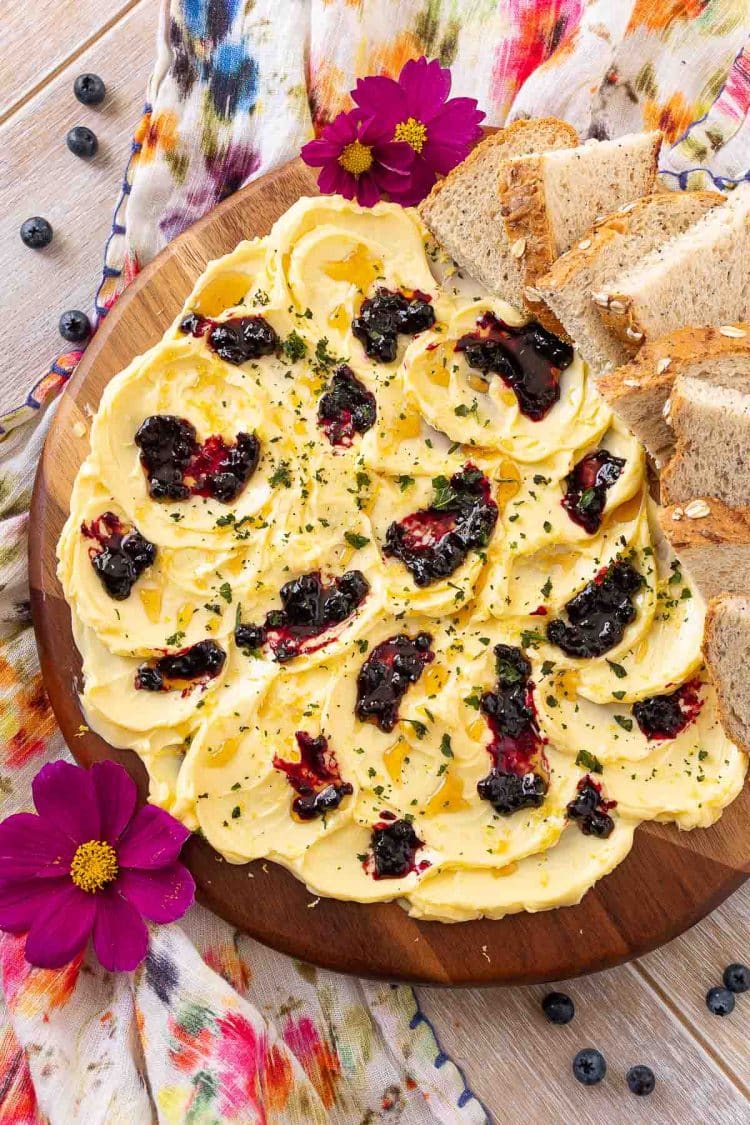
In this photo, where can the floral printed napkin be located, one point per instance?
(214, 1027)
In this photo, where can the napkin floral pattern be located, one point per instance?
(214, 1027)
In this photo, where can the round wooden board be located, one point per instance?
(669, 881)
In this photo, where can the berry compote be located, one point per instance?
(519, 775)
(181, 670)
(120, 556)
(528, 359)
(587, 485)
(590, 810)
(385, 676)
(599, 614)
(315, 777)
(664, 716)
(394, 847)
(346, 408)
(236, 341)
(179, 466)
(309, 609)
(391, 312)
(433, 542)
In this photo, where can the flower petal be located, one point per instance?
(161, 895)
(368, 192)
(31, 847)
(396, 155)
(152, 839)
(425, 87)
(61, 927)
(120, 935)
(333, 179)
(64, 794)
(416, 186)
(116, 795)
(21, 902)
(382, 98)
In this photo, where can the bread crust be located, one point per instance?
(737, 730)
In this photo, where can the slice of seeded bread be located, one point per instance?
(613, 245)
(699, 277)
(726, 647)
(639, 390)
(550, 200)
(463, 210)
(711, 424)
(712, 541)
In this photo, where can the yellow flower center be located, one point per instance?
(94, 866)
(356, 158)
(413, 132)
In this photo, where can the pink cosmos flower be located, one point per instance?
(359, 159)
(89, 864)
(415, 108)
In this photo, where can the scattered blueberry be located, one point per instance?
(89, 89)
(558, 1008)
(36, 233)
(720, 1001)
(641, 1080)
(737, 977)
(75, 326)
(82, 141)
(589, 1066)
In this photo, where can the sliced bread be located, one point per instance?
(639, 390)
(711, 424)
(611, 247)
(463, 210)
(550, 200)
(699, 277)
(712, 541)
(726, 647)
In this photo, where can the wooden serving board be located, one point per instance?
(669, 881)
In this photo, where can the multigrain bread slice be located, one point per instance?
(463, 210)
(613, 245)
(726, 647)
(550, 200)
(712, 541)
(638, 391)
(711, 424)
(699, 277)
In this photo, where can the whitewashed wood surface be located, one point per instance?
(652, 1011)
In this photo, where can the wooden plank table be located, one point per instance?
(652, 1011)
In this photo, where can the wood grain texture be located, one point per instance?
(77, 196)
(40, 38)
(669, 881)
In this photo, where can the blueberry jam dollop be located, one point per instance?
(309, 608)
(386, 675)
(391, 312)
(178, 466)
(346, 408)
(433, 542)
(528, 359)
(394, 849)
(518, 778)
(184, 669)
(590, 811)
(236, 341)
(120, 555)
(587, 485)
(599, 614)
(315, 777)
(664, 716)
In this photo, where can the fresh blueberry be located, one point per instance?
(589, 1066)
(720, 1001)
(737, 977)
(558, 1008)
(89, 89)
(75, 326)
(36, 233)
(641, 1080)
(82, 141)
